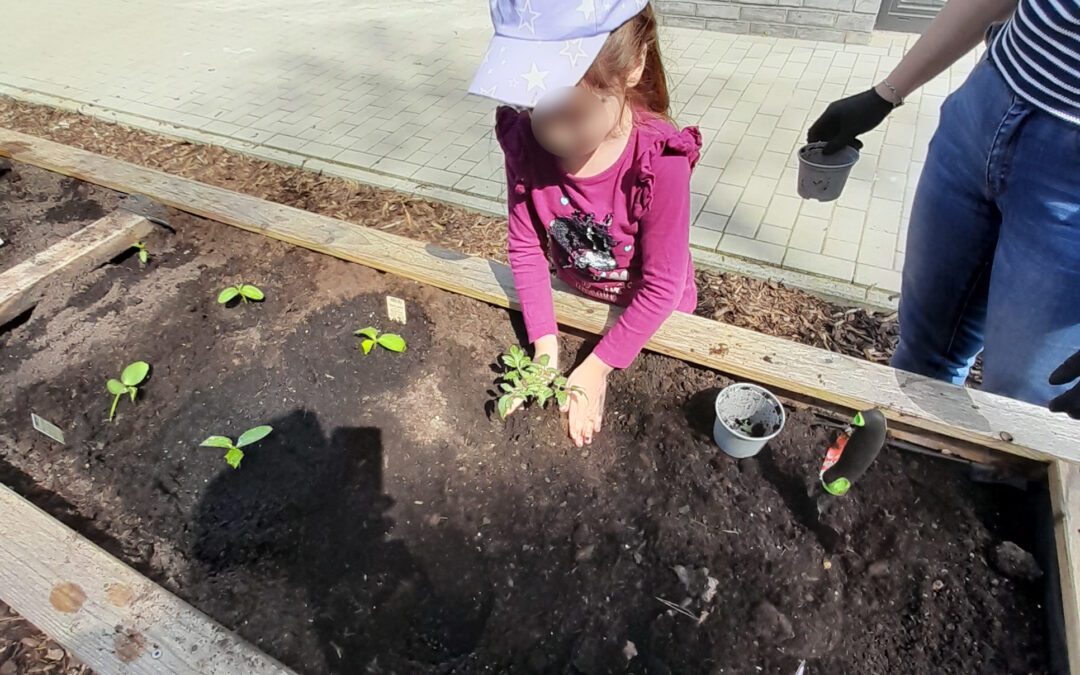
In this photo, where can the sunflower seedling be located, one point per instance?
(246, 292)
(372, 336)
(144, 255)
(233, 453)
(128, 384)
(526, 380)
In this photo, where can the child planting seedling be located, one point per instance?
(128, 384)
(144, 255)
(233, 453)
(527, 380)
(372, 337)
(246, 293)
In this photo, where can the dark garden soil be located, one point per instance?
(39, 208)
(392, 524)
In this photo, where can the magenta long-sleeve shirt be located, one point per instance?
(621, 236)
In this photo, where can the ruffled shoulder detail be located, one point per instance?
(660, 139)
(514, 131)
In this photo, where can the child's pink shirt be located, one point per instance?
(621, 236)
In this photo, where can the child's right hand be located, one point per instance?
(547, 345)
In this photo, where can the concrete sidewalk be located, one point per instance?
(376, 91)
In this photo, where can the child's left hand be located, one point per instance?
(586, 407)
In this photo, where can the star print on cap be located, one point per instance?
(545, 45)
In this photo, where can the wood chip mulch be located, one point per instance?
(764, 306)
(25, 650)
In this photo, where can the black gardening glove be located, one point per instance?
(1069, 402)
(847, 118)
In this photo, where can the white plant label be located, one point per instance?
(395, 309)
(48, 428)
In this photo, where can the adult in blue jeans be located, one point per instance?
(993, 248)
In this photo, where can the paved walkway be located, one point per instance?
(376, 90)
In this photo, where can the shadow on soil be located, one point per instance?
(310, 510)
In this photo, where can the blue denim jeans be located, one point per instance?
(993, 248)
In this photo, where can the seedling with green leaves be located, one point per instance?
(372, 336)
(144, 255)
(233, 453)
(128, 384)
(246, 293)
(526, 380)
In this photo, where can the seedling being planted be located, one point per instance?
(527, 380)
(372, 337)
(233, 453)
(128, 384)
(144, 255)
(246, 292)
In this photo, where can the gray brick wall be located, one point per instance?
(831, 20)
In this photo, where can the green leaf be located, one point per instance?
(253, 435)
(116, 387)
(559, 381)
(561, 398)
(217, 442)
(144, 257)
(508, 360)
(392, 342)
(512, 376)
(135, 373)
(233, 457)
(504, 406)
(544, 360)
(506, 387)
(366, 345)
(543, 397)
(369, 333)
(251, 292)
(228, 294)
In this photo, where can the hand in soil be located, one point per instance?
(588, 387)
(547, 345)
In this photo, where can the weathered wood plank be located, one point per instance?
(22, 286)
(109, 616)
(955, 412)
(1065, 499)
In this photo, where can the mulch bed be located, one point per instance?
(764, 306)
(391, 523)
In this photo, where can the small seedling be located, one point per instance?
(526, 380)
(128, 384)
(144, 255)
(245, 292)
(372, 337)
(233, 453)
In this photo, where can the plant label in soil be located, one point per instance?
(48, 428)
(395, 309)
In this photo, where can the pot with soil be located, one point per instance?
(747, 417)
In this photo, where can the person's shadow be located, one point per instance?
(309, 512)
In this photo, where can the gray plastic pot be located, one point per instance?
(822, 177)
(747, 417)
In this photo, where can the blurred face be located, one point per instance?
(573, 122)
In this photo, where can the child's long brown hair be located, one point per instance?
(621, 54)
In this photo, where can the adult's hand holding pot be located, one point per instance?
(844, 120)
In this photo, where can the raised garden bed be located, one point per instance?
(391, 522)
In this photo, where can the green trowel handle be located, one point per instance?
(861, 449)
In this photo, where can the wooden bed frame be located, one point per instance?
(937, 415)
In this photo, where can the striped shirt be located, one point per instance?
(1038, 54)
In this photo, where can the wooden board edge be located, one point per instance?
(22, 285)
(971, 416)
(1064, 481)
(108, 615)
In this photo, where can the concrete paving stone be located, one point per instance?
(753, 249)
(877, 249)
(809, 233)
(759, 191)
(723, 199)
(818, 263)
(711, 221)
(745, 220)
(869, 275)
(773, 234)
(704, 238)
(738, 172)
(783, 211)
